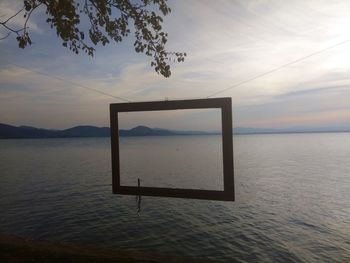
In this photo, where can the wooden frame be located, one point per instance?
(225, 104)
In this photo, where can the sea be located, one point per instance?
(292, 195)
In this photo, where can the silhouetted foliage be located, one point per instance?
(108, 21)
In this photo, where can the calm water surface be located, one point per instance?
(292, 196)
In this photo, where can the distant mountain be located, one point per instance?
(177, 132)
(85, 131)
(9, 131)
(146, 131)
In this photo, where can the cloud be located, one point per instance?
(321, 106)
(314, 91)
(307, 120)
(227, 42)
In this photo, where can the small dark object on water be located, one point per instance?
(138, 198)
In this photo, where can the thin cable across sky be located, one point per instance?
(70, 82)
(278, 68)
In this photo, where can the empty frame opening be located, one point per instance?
(171, 149)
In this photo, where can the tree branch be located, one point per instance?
(106, 25)
(8, 34)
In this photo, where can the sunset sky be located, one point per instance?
(227, 42)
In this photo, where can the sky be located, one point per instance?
(227, 43)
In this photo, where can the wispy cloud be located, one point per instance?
(227, 42)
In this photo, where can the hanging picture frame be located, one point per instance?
(224, 104)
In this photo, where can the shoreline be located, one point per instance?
(17, 249)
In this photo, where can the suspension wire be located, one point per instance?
(211, 95)
(278, 68)
(70, 82)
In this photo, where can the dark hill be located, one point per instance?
(145, 131)
(85, 131)
(12, 132)
(8, 132)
